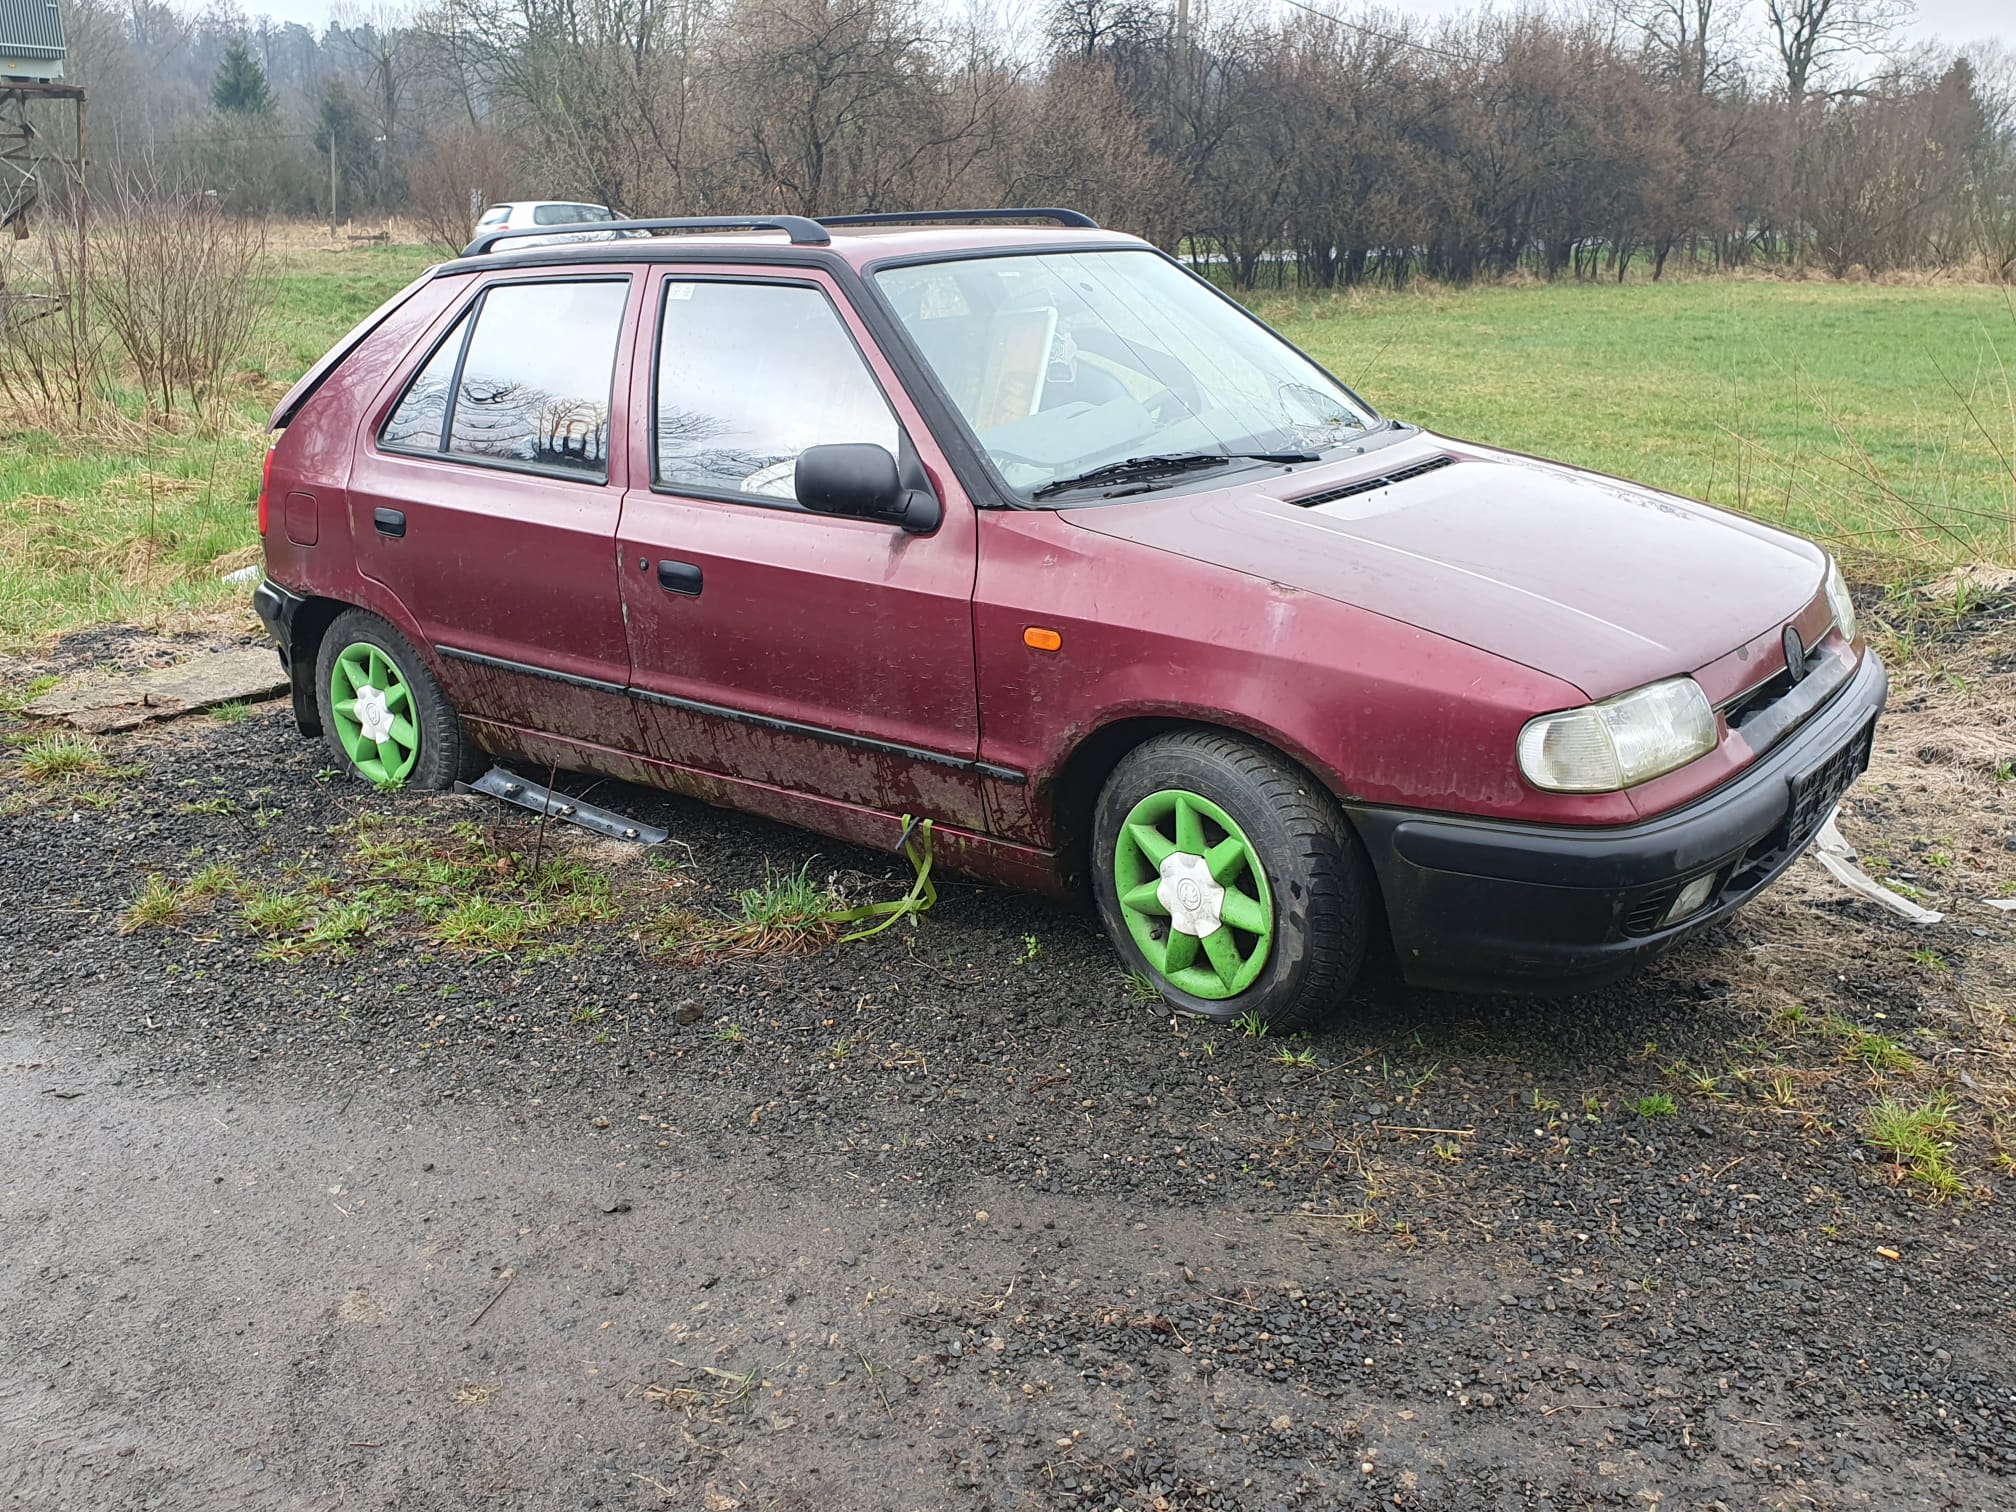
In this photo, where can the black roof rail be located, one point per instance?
(900, 217)
(803, 232)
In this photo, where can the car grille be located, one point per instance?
(1366, 485)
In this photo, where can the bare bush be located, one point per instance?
(463, 170)
(177, 281)
(52, 354)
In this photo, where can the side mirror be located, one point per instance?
(861, 480)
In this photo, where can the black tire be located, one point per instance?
(1322, 889)
(444, 757)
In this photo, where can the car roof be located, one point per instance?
(859, 246)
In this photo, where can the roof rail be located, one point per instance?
(803, 232)
(901, 217)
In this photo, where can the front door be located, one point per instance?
(768, 644)
(486, 497)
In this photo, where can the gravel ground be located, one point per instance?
(948, 1218)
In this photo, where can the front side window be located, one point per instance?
(535, 364)
(748, 376)
(1066, 363)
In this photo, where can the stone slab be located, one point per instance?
(103, 701)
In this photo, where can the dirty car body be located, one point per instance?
(956, 521)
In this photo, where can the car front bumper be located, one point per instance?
(1481, 905)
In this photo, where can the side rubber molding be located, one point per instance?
(1481, 905)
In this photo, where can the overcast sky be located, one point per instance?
(1955, 21)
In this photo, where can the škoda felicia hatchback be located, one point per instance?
(1025, 529)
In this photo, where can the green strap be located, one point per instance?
(917, 847)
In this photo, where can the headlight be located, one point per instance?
(1839, 601)
(1620, 742)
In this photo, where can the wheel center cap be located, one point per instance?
(374, 715)
(1192, 898)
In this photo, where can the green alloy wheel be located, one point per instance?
(1194, 894)
(383, 715)
(1229, 877)
(372, 709)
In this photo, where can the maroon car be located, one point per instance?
(1030, 531)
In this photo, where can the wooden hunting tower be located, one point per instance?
(31, 71)
(31, 42)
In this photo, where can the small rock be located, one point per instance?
(616, 1205)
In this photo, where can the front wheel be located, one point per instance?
(383, 714)
(1229, 878)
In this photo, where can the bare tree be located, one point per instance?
(1688, 43)
(1811, 36)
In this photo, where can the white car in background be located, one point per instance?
(523, 215)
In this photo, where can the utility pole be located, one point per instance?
(332, 184)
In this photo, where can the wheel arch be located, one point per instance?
(1081, 776)
(310, 623)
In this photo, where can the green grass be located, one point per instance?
(1656, 1105)
(158, 904)
(61, 758)
(138, 524)
(1717, 389)
(1916, 1136)
(1879, 1052)
(1728, 390)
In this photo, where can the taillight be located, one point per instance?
(265, 481)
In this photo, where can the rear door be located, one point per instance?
(830, 656)
(486, 494)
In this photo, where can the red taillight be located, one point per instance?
(265, 481)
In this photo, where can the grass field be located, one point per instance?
(1877, 417)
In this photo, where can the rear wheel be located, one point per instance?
(383, 715)
(1229, 878)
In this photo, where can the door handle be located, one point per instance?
(679, 577)
(390, 522)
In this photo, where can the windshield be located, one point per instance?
(1066, 363)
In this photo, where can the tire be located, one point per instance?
(375, 657)
(1296, 898)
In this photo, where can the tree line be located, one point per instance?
(1278, 144)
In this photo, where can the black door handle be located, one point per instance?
(390, 522)
(679, 577)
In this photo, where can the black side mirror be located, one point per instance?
(861, 480)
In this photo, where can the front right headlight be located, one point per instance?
(1620, 742)
(1839, 600)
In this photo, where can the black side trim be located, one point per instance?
(744, 716)
(456, 653)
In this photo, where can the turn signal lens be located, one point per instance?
(1839, 600)
(1036, 638)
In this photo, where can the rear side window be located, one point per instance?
(496, 215)
(748, 376)
(522, 380)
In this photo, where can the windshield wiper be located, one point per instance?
(1148, 467)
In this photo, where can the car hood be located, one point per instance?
(1598, 582)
